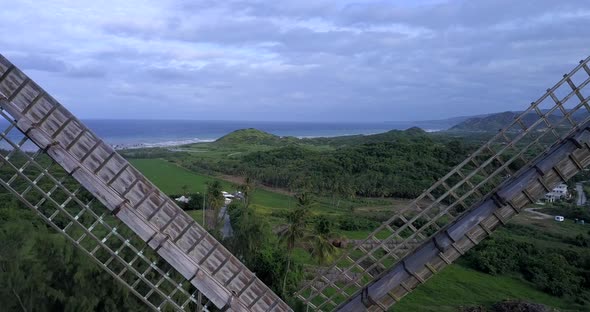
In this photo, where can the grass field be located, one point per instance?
(171, 179)
(457, 286)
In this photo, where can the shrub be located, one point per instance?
(355, 223)
(553, 274)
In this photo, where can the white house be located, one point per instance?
(559, 192)
(228, 197)
(183, 199)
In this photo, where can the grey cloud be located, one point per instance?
(264, 8)
(31, 61)
(130, 28)
(51, 64)
(456, 13)
(86, 72)
(296, 59)
(237, 32)
(234, 33)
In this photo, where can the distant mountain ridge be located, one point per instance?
(484, 123)
(488, 123)
(435, 124)
(495, 122)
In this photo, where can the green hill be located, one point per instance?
(253, 136)
(389, 136)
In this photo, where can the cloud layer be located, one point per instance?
(322, 60)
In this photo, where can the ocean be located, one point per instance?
(158, 133)
(153, 133)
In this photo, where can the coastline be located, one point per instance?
(181, 142)
(171, 143)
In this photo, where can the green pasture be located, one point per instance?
(457, 286)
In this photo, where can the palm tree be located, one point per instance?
(247, 189)
(320, 241)
(215, 202)
(292, 232)
(249, 234)
(304, 200)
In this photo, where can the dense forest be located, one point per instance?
(395, 164)
(41, 271)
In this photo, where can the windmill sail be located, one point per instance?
(147, 214)
(545, 145)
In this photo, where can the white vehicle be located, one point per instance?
(559, 218)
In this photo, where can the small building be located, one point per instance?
(559, 218)
(559, 192)
(228, 197)
(183, 199)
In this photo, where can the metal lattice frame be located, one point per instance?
(129, 197)
(559, 113)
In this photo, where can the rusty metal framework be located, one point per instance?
(514, 168)
(132, 229)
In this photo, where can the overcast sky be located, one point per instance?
(305, 60)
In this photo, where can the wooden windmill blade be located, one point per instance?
(544, 145)
(44, 187)
(136, 213)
